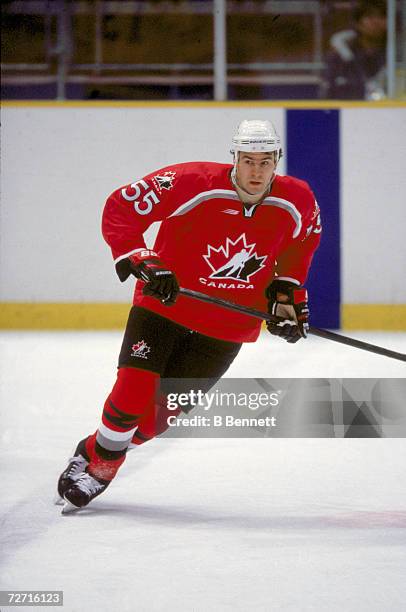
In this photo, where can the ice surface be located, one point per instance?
(199, 524)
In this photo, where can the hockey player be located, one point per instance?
(236, 231)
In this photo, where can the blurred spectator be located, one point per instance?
(357, 58)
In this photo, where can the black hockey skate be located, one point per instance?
(75, 468)
(83, 490)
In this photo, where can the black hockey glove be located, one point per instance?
(160, 282)
(289, 301)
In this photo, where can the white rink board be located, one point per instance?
(60, 164)
(373, 205)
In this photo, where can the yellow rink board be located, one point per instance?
(385, 317)
(20, 315)
(65, 316)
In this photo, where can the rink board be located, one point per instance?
(21, 315)
(71, 155)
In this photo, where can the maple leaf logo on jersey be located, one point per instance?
(164, 180)
(140, 349)
(236, 260)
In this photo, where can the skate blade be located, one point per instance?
(69, 508)
(58, 500)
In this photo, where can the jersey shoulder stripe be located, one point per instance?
(203, 197)
(290, 208)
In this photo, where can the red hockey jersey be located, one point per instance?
(213, 243)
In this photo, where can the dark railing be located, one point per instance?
(59, 67)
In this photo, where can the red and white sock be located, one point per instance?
(132, 397)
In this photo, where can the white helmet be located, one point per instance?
(256, 136)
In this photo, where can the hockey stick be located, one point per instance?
(322, 333)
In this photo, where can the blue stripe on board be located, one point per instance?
(313, 154)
